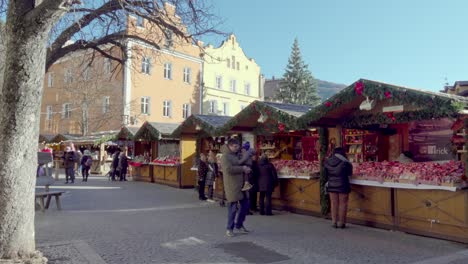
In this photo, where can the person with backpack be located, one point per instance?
(86, 162)
(123, 166)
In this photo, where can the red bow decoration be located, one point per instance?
(388, 94)
(281, 127)
(390, 115)
(328, 104)
(359, 88)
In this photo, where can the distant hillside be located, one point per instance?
(326, 89)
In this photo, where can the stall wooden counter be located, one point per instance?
(167, 174)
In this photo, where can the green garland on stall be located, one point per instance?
(434, 105)
(324, 198)
(194, 121)
(147, 132)
(105, 139)
(275, 117)
(465, 122)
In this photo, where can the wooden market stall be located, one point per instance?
(199, 133)
(293, 152)
(375, 123)
(125, 139)
(157, 154)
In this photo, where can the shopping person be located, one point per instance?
(86, 162)
(338, 170)
(233, 176)
(267, 181)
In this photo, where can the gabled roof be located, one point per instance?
(127, 132)
(343, 107)
(286, 114)
(95, 138)
(207, 124)
(153, 131)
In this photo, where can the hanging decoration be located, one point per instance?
(390, 115)
(281, 127)
(328, 104)
(388, 95)
(359, 87)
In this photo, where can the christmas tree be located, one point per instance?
(298, 85)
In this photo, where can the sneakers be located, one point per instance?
(247, 186)
(229, 233)
(242, 230)
(210, 200)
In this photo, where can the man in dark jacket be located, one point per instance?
(338, 170)
(69, 160)
(267, 181)
(233, 182)
(115, 164)
(123, 166)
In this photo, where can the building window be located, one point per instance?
(168, 71)
(50, 79)
(213, 107)
(107, 66)
(238, 66)
(233, 66)
(225, 109)
(106, 104)
(139, 21)
(219, 82)
(87, 74)
(68, 76)
(228, 63)
(187, 75)
(167, 105)
(66, 110)
(145, 105)
(247, 88)
(185, 110)
(49, 112)
(168, 35)
(146, 65)
(233, 86)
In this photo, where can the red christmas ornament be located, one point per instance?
(281, 127)
(359, 88)
(328, 104)
(388, 94)
(390, 115)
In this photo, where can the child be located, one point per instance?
(246, 159)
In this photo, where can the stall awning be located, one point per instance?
(392, 104)
(206, 124)
(59, 138)
(127, 133)
(95, 138)
(266, 116)
(154, 131)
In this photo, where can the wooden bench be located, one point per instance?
(49, 195)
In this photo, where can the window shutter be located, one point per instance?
(150, 66)
(149, 105)
(170, 108)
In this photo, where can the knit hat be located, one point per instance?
(246, 145)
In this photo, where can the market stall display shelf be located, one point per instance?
(405, 185)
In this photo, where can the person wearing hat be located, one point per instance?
(86, 162)
(69, 160)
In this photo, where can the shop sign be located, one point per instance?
(396, 108)
(431, 140)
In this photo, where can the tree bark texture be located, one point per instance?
(20, 100)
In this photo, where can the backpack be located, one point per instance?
(89, 162)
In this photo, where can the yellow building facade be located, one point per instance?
(231, 79)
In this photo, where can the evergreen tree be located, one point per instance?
(298, 85)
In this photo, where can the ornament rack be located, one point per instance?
(360, 145)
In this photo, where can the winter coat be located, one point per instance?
(202, 171)
(212, 173)
(254, 176)
(232, 175)
(84, 159)
(338, 170)
(69, 159)
(267, 176)
(115, 161)
(123, 164)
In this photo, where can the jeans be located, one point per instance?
(265, 204)
(70, 173)
(339, 207)
(210, 191)
(85, 172)
(241, 212)
(201, 189)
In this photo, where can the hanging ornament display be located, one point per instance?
(359, 87)
(328, 104)
(388, 95)
(390, 115)
(281, 127)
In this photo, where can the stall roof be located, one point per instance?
(208, 124)
(62, 137)
(343, 107)
(153, 131)
(127, 132)
(248, 118)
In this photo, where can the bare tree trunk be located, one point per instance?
(85, 121)
(20, 100)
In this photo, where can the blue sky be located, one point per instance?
(413, 43)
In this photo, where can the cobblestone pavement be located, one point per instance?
(134, 222)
